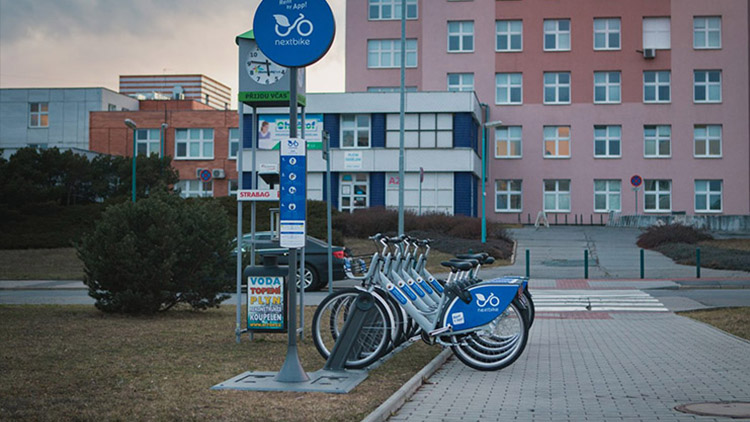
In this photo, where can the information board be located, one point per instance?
(293, 192)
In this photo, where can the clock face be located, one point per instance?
(262, 70)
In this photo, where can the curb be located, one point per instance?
(394, 402)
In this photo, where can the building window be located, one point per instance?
(234, 142)
(707, 86)
(707, 140)
(607, 141)
(148, 141)
(508, 142)
(509, 35)
(557, 195)
(387, 53)
(38, 114)
(460, 82)
(556, 87)
(195, 188)
(708, 197)
(461, 37)
(355, 131)
(421, 130)
(557, 142)
(607, 195)
(353, 191)
(509, 88)
(607, 34)
(232, 187)
(656, 33)
(657, 140)
(557, 34)
(508, 196)
(707, 32)
(194, 144)
(657, 86)
(391, 89)
(657, 195)
(111, 107)
(391, 9)
(607, 87)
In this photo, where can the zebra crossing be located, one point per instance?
(595, 300)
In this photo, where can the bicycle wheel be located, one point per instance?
(529, 306)
(400, 318)
(497, 345)
(371, 342)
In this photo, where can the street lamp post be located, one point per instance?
(485, 128)
(131, 124)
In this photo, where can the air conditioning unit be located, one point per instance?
(198, 173)
(649, 53)
(218, 174)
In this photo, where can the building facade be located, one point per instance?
(585, 94)
(53, 117)
(199, 88)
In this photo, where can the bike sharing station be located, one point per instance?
(287, 35)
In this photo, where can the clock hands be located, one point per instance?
(267, 63)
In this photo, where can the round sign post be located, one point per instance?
(636, 181)
(293, 33)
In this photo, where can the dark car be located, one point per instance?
(316, 258)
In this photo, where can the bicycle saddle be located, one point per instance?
(457, 266)
(473, 262)
(481, 257)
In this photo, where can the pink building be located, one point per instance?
(589, 93)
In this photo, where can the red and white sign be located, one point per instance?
(258, 195)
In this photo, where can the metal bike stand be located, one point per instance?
(333, 378)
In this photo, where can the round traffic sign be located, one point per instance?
(294, 33)
(636, 181)
(206, 175)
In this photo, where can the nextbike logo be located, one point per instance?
(482, 302)
(283, 28)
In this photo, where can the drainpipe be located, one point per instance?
(485, 117)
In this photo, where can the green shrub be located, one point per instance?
(655, 236)
(149, 256)
(711, 257)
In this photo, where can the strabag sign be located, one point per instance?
(265, 304)
(257, 195)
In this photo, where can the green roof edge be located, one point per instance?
(249, 35)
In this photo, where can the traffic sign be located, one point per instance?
(294, 33)
(636, 181)
(206, 175)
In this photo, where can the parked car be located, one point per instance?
(316, 258)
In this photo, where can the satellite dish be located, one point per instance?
(178, 93)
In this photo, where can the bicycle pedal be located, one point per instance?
(439, 331)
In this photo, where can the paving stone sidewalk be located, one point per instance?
(630, 367)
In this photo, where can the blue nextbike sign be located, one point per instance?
(294, 33)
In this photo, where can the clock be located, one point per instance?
(261, 70)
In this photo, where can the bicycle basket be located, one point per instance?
(356, 266)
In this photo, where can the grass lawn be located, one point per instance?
(731, 320)
(76, 363)
(40, 264)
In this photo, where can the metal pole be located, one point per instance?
(237, 329)
(484, 171)
(528, 263)
(327, 146)
(642, 264)
(302, 261)
(135, 154)
(292, 370)
(698, 262)
(254, 179)
(420, 196)
(586, 264)
(401, 180)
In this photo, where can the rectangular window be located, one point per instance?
(706, 32)
(509, 35)
(111, 107)
(461, 37)
(421, 130)
(232, 187)
(607, 141)
(557, 142)
(707, 141)
(557, 195)
(391, 9)
(508, 196)
(657, 195)
(607, 34)
(461, 82)
(656, 86)
(656, 33)
(707, 86)
(38, 114)
(353, 191)
(148, 141)
(508, 142)
(556, 87)
(234, 142)
(387, 53)
(708, 196)
(194, 144)
(509, 88)
(607, 87)
(556, 34)
(195, 188)
(607, 195)
(657, 140)
(355, 131)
